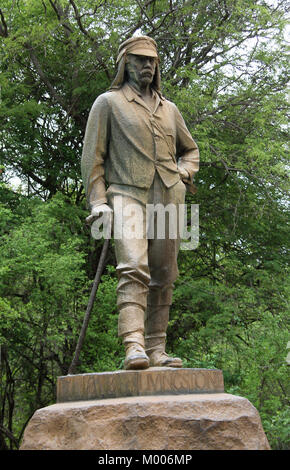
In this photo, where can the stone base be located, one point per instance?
(152, 409)
(182, 422)
(128, 383)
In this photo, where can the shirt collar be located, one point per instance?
(131, 94)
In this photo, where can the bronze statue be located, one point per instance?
(137, 149)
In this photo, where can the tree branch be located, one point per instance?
(91, 38)
(3, 26)
(42, 75)
(9, 434)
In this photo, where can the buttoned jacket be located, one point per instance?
(126, 143)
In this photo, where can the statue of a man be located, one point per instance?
(138, 147)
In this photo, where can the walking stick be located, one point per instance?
(82, 335)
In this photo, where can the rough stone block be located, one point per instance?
(181, 422)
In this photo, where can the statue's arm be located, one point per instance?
(187, 150)
(95, 151)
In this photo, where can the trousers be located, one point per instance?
(146, 253)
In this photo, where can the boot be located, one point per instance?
(157, 355)
(155, 338)
(131, 329)
(136, 358)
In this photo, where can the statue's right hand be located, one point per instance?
(184, 175)
(98, 211)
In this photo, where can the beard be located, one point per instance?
(146, 77)
(142, 78)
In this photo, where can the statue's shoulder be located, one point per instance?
(172, 106)
(103, 98)
(109, 97)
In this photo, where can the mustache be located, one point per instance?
(146, 70)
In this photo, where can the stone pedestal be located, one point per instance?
(167, 409)
(128, 383)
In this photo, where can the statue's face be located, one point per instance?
(141, 69)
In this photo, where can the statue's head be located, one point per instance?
(138, 58)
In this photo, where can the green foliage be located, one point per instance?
(103, 349)
(277, 429)
(224, 64)
(43, 294)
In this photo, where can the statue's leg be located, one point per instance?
(162, 257)
(133, 274)
(163, 270)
